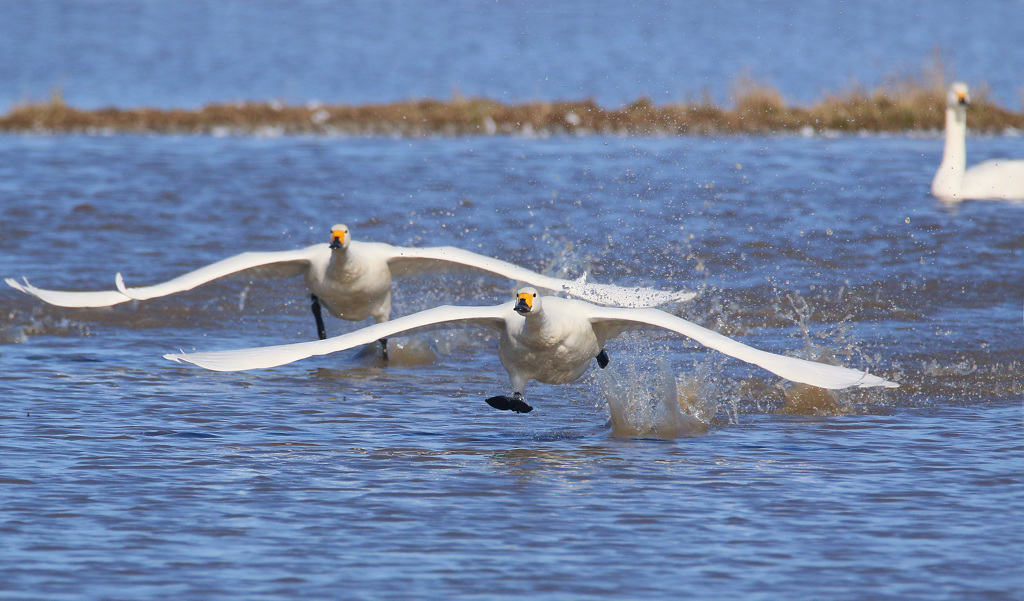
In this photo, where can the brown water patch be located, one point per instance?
(803, 399)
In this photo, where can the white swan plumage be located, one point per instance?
(996, 179)
(352, 279)
(551, 340)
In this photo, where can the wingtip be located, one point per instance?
(13, 283)
(178, 357)
(872, 381)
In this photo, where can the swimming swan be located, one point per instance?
(551, 340)
(352, 279)
(994, 179)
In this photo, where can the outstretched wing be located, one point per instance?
(412, 261)
(446, 316)
(267, 264)
(609, 322)
(61, 298)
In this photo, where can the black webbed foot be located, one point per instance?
(602, 359)
(514, 403)
(321, 331)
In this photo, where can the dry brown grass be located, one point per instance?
(907, 105)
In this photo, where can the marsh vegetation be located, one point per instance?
(912, 104)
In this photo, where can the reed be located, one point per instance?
(907, 105)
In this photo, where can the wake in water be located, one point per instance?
(645, 398)
(833, 340)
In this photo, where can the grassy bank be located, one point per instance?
(756, 109)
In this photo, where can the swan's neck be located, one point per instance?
(949, 177)
(538, 328)
(339, 260)
(955, 153)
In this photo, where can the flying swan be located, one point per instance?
(551, 340)
(994, 179)
(352, 279)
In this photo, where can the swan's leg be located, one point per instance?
(516, 403)
(602, 359)
(381, 314)
(321, 331)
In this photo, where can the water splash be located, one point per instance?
(802, 399)
(413, 350)
(17, 327)
(649, 403)
(565, 262)
(242, 296)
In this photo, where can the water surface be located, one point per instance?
(172, 54)
(126, 476)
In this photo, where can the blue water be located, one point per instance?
(185, 54)
(124, 476)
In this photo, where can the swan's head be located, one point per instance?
(340, 237)
(959, 95)
(527, 301)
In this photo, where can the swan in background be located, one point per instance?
(551, 340)
(352, 279)
(995, 179)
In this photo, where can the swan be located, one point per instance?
(994, 179)
(549, 339)
(352, 279)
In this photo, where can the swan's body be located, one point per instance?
(550, 340)
(352, 279)
(994, 179)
